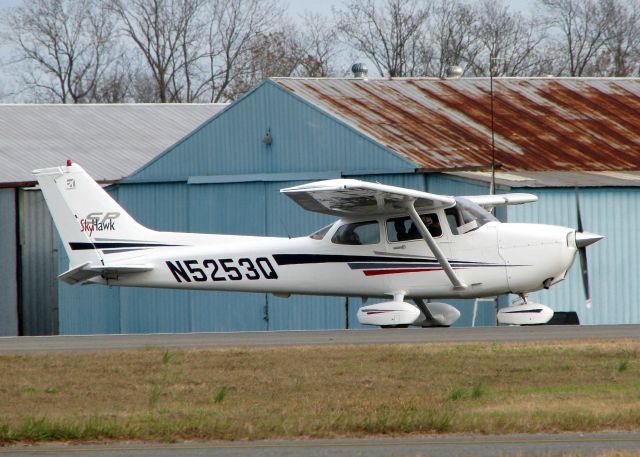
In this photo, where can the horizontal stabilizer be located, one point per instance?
(85, 272)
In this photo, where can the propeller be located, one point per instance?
(584, 239)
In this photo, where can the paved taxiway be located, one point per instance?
(26, 344)
(441, 446)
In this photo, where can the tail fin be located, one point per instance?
(87, 218)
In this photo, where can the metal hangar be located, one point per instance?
(551, 136)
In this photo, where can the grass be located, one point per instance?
(220, 394)
(320, 391)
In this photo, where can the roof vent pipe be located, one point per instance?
(454, 72)
(359, 70)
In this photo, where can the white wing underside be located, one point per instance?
(350, 197)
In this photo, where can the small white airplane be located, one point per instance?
(389, 242)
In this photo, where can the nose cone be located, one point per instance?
(584, 239)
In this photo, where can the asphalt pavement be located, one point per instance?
(91, 343)
(586, 444)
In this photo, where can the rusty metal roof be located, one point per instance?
(541, 124)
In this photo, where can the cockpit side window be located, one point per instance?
(403, 228)
(357, 233)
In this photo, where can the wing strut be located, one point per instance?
(435, 249)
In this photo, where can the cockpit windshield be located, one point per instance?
(466, 216)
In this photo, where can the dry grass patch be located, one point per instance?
(320, 391)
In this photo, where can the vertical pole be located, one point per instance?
(265, 315)
(492, 191)
(346, 312)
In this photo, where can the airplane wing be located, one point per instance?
(85, 271)
(502, 199)
(344, 197)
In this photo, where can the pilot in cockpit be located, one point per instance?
(401, 230)
(431, 222)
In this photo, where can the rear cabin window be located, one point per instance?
(318, 235)
(358, 233)
(403, 228)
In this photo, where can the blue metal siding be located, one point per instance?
(154, 310)
(85, 310)
(234, 208)
(8, 268)
(613, 262)
(227, 311)
(162, 206)
(237, 208)
(305, 312)
(304, 139)
(450, 185)
(38, 266)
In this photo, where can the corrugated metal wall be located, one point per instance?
(614, 262)
(8, 267)
(39, 249)
(304, 139)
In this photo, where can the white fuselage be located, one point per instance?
(493, 259)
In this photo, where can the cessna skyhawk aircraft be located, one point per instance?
(389, 242)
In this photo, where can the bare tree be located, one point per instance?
(582, 27)
(166, 33)
(390, 35)
(509, 40)
(273, 54)
(235, 28)
(622, 46)
(319, 42)
(450, 35)
(66, 46)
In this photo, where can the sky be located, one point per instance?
(321, 6)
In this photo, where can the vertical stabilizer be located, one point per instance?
(87, 218)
